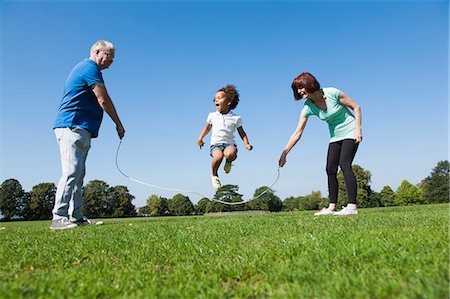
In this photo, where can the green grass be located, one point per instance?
(400, 252)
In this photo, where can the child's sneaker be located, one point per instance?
(215, 182)
(324, 211)
(346, 211)
(227, 167)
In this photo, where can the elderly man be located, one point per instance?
(78, 120)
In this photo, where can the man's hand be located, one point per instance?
(200, 143)
(120, 131)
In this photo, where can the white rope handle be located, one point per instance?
(186, 191)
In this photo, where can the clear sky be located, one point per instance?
(391, 57)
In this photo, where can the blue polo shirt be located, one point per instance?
(79, 106)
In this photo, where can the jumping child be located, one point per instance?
(223, 123)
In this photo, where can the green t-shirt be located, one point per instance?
(339, 118)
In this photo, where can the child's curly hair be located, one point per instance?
(232, 95)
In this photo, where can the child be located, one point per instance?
(223, 123)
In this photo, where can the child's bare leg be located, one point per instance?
(217, 157)
(230, 153)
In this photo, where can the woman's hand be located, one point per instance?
(282, 160)
(358, 136)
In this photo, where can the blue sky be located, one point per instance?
(171, 57)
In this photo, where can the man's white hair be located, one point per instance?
(101, 45)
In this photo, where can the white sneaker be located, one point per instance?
(215, 182)
(324, 211)
(62, 223)
(346, 211)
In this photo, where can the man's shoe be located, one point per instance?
(346, 211)
(227, 167)
(215, 182)
(62, 223)
(84, 222)
(324, 211)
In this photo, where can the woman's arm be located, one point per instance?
(347, 101)
(295, 137)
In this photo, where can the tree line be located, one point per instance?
(99, 200)
(102, 200)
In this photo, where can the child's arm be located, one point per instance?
(204, 132)
(244, 138)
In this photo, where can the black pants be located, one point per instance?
(341, 153)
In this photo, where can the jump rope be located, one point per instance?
(187, 191)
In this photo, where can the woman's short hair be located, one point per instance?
(232, 95)
(101, 45)
(304, 80)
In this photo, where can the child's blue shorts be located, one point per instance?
(220, 146)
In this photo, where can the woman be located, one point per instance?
(330, 105)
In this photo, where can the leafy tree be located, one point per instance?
(387, 197)
(180, 205)
(311, 202)
(226, 193)
(374, 199)
(260, 204)
(268, 201)
(436, 185)
(291, 204)
(274, 202)
(157, 206)
(408, 194)
(40, 204)
(200, 207)
(121, 202)
(11, 198)
(143, 211)
(363, 187)
(22, 208)
(96, 201)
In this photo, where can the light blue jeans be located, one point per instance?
(74, 145)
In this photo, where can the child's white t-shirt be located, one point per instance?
(223, 127)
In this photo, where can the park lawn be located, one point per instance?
(397, 252)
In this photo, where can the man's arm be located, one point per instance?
(107, 105)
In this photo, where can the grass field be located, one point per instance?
(399, 252)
